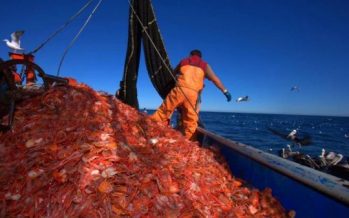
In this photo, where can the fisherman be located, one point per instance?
(191, 73)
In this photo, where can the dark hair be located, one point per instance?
(196, 52)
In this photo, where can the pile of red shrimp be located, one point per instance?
(74, 152)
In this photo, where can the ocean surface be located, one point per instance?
(330, 133)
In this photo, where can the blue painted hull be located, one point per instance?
(309, 192)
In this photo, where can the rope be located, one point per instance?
(61, 27)
(162, 59)
(77, 36)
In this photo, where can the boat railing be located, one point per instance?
(336, 188)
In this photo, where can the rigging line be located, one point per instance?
(61, 27)
(77, 36)
(162, 59)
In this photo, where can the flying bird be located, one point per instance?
(295, 89)
(15, 42)
(240, 99)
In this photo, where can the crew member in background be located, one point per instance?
(191, 73)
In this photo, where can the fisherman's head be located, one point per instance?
(196, 52)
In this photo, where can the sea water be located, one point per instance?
(330, 133)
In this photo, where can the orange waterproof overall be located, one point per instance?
(190, 82)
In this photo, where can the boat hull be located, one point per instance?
(309, 192)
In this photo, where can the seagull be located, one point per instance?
(15, 43)
(321, 160)
(295, 88)
(292, 134)
(306, 140)
(286, 153)
(333, 158)
(323, 152)
(240, 99)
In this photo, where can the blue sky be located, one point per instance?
(257, 48)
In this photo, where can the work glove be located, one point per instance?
(227, 95)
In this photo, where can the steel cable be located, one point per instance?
(77, 36)
(61, 27)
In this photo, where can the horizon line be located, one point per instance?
(267, 113)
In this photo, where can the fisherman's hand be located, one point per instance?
(227, 95)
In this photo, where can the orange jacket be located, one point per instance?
(192, 73)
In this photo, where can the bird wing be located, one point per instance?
(292, 133)
(295, 88)
(16, 36)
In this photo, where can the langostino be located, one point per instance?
(77, 152)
